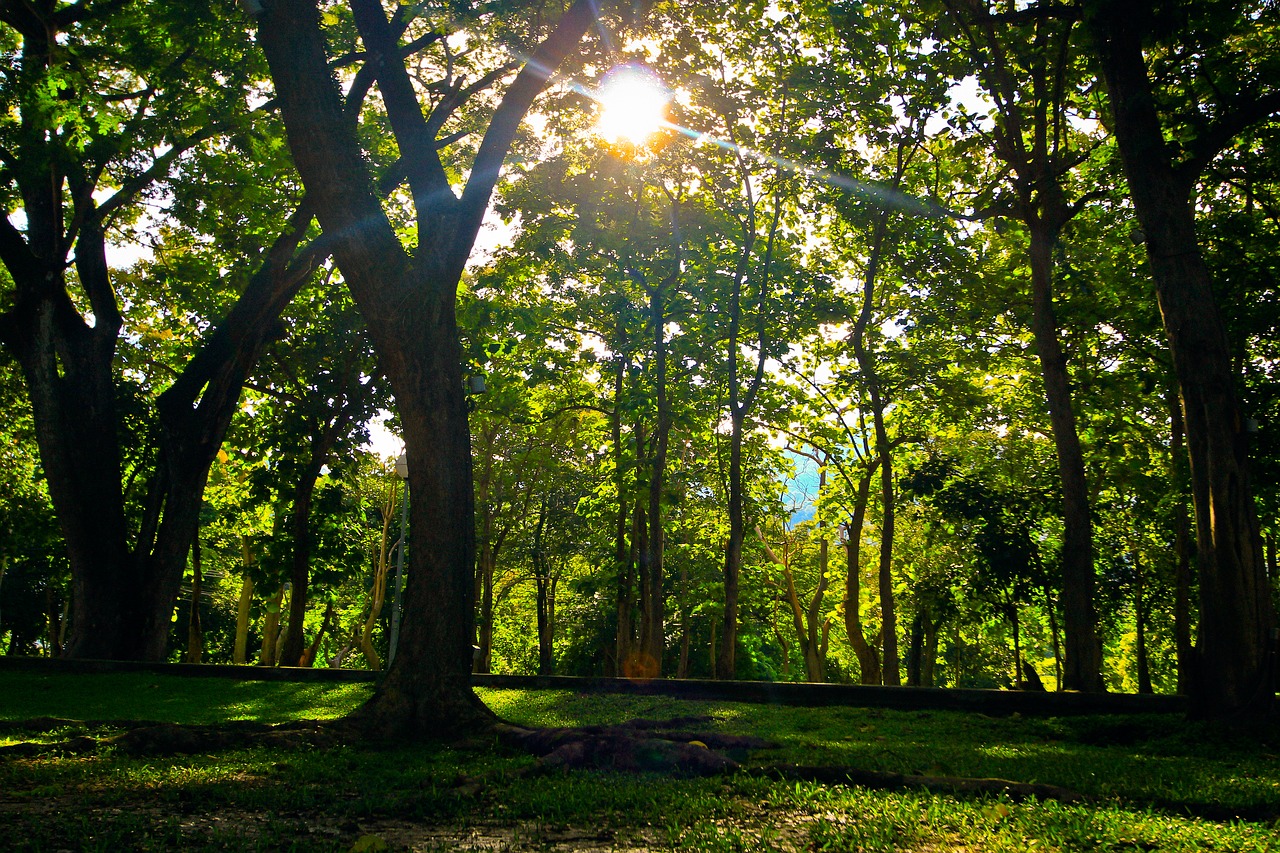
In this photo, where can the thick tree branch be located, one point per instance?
(14, 251)
(1225, 128)
(427, 179)
(529, 83)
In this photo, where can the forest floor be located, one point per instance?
(1145, 782)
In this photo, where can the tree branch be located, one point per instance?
(427, 180)
(1225, 128)
(529, 83)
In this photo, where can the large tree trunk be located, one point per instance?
(123, 590)
(1083, 651)
(123, 597)
(410, 306)
(1235, 667)
(70, 384)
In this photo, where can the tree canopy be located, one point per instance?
(895, 343)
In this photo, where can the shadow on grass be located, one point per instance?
(170, 699)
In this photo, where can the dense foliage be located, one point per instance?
(854, 369)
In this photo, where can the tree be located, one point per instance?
(316, 391)
(110, 100)
(1030, 68)
(1169, 126)
(408, 298)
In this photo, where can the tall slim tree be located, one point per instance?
(1029, 65)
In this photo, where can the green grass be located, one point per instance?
(1159, 783)
(172, 699)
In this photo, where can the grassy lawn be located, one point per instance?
(1156, 782)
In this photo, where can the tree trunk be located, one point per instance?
(625, 600)
(124, 597)
(1012, 609)
(195, 632)
(890, 669)
(300, 566)
(726, 665)
(309, 656)
(915, 648)
(655, 613)
(810, 633)
(54, 621)
(682, 668)
(271, 630)
(68, 369)
(410, 306)
(641, 664)
(1140, 626)
(484, 636)
(740, 402)
(928, 664)
(1181, 476)
(240, 654)
(868, 660)
(1083, 651)
(712, 658)
(817, 629)
(1053, 633)
(378, 589)
(542, 582)
(1235, 667)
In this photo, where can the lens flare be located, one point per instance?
(633, 105)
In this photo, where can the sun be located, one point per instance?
(633, 105)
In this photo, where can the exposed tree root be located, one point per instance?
(639, 746)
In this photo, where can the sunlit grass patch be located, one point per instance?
(167, 698)
(1147, 778)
